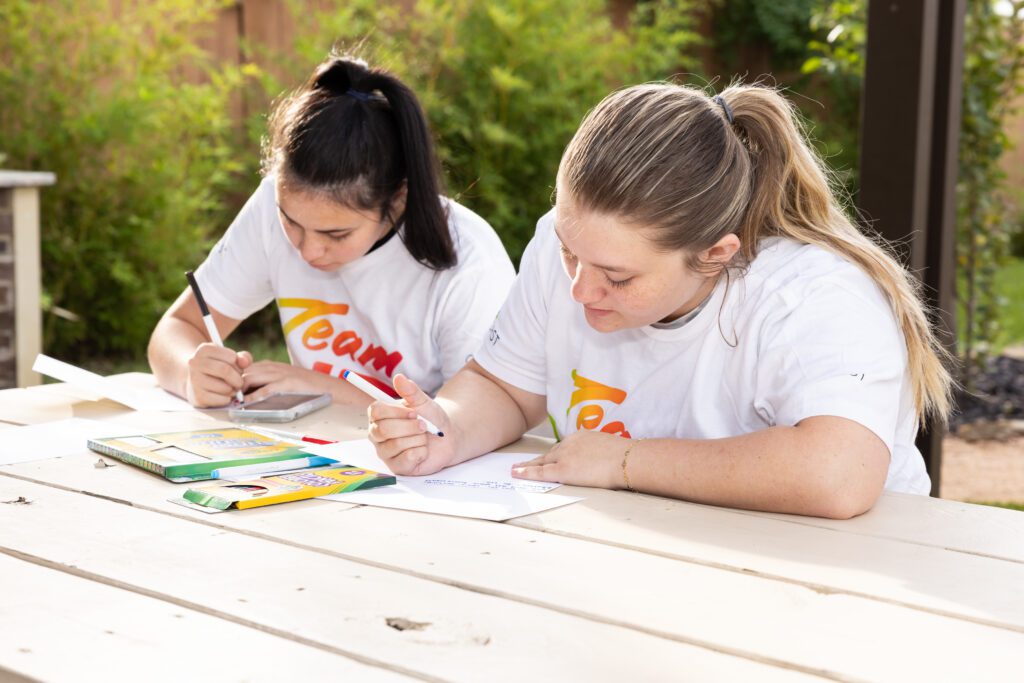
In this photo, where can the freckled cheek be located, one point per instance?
(637, 301)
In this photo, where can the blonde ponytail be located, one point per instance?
(696, 169)
(791, 196)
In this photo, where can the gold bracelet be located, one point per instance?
(625, 459)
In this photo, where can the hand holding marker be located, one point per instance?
(375, 393)
(211, 327)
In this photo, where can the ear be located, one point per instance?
(718, 255)
(397, 203)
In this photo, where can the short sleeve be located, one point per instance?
(834, 351)
(473, 299)
(514, 350)
(235, 277)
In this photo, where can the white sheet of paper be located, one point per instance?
(357, 452)
(490, 471)
(138, 399)
(479, 503)
(155, 398)
(494, 471)
(54, 439)
(482, 488)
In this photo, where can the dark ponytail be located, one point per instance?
(357, 134)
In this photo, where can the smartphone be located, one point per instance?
(279, 408)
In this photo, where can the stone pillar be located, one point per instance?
(21, 320)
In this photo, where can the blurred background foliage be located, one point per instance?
(505, 84)
(155, 139)
(133, 118)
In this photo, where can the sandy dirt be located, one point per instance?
(983, 471)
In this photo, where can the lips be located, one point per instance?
(597, 312)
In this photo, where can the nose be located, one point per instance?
(308, 248)
(585, 287)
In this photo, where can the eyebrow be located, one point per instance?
(292, 220)
(610, 269)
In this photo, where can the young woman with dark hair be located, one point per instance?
(372, 269)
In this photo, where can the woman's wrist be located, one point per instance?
(454, 437)
(629, 450)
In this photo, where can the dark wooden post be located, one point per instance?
(908, 157)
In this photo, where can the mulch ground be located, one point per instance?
(997, 393)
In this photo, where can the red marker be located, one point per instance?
(290, 435)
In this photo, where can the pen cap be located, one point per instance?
(190, 276)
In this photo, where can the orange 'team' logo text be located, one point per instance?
(320, 334)
(590, 416)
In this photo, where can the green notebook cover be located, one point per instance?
(193, 455)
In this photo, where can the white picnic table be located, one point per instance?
(102, 578)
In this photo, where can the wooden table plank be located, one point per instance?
(963, 527)
(922, 576)
(42, 404)
(333, 603)
(943, 524)
(56, 626)
(875, 555)
(691, 602)
(971, 585)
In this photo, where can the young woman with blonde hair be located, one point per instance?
(699, 319)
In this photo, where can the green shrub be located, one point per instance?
(993, 79)
(1017, 238)
(781, 29)
(1008, 506)
(134, 120)
(783, 43)
(505, 83)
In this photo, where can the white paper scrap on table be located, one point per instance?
(153, 398)
(55, 439)
(484, 490)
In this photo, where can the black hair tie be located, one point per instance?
(359, 95)
(720, 101)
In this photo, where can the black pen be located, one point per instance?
(211, 327)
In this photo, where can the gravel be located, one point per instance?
(998, 394)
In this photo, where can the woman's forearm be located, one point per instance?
(172, 344)
(486, 413)
(825, 466)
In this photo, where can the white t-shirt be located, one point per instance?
(802, 333)
(379, 315)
